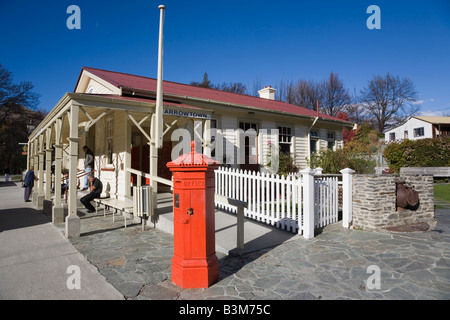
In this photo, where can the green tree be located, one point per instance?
(233, 87)
(204, 84)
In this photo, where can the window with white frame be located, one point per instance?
(248, 126)
(331, 140)
(419, 132)
(285, 139)
(313, 141)
(392, 136)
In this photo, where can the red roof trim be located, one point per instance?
(147, 100)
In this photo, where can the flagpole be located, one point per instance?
(157, 121)
(158, 139)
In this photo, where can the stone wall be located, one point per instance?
(374, 202)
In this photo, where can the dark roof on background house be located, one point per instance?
(130, 82)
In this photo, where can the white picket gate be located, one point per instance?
(326, 194)
(277, 200)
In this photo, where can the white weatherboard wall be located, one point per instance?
(96, 88)
(264, 147)
(113, 174)
(115, 180)
(301, 145)
(409, 126)
(229, 137)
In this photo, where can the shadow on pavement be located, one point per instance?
(21, 218)
(7, 184)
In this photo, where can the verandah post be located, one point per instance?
(41, 195)
(73, 226)
(308, 202)
(347, 183)
(48, 164)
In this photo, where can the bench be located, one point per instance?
(108, 203)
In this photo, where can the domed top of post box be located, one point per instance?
(193, 159)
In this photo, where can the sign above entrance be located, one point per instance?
(187, 114)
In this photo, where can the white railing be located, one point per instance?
(272, 199)
(296, 203)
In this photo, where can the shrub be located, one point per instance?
(365, 141)
(286, 165)
(334, 161)
(420, 153)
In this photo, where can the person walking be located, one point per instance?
(95, 192)
(89, 159)
(7, 173)
(28, 183)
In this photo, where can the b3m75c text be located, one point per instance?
(237, 309)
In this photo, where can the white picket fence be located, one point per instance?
(277, 200)
(272, 199)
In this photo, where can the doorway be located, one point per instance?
(140, 160)
(250, 146)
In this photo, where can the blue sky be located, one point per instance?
(234, 41)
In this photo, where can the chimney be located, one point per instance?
(267, 93)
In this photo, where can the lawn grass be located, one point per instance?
(442, 192)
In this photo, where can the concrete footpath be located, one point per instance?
(336, 264)
(35, 258)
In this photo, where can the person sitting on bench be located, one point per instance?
(96, 190)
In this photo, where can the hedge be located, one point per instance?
(419, 153)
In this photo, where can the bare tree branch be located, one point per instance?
(335, 97)
(13, 96)
(389, 100)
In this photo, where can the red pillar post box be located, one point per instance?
(194, 264)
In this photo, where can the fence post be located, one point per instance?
(347, 183)
(308, 202)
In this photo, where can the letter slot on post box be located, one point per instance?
(194, 264)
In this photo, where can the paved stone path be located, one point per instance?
(334, 265)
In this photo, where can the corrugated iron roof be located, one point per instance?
(124, 80)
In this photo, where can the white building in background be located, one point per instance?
(420, 128)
